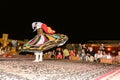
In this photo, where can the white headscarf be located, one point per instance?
(36, 25)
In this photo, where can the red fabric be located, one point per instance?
(59, 56)
(72, 53)
(47, 30)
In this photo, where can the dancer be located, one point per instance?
(39, 39)
(44, 40)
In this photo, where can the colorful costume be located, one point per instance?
(39, 39)
(44, 40)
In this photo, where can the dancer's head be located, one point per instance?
(36, 25)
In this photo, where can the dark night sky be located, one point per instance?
(79, 21)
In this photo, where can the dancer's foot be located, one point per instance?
(39, 60)
(35, 61)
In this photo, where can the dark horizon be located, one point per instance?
(79, 24)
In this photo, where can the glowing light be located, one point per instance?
(109, 49)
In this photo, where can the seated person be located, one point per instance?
(98, 55)
(117, 58)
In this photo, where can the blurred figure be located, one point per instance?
(83, 55)
(98, 55)
(109, 56)
(90, 54)
(59, 55)
(14, 43)
(117, 58)
(66, 53)
(102, 47)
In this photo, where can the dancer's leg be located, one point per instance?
(41, 56)
(36, 57)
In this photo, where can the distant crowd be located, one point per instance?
(84, 53)
(72, 52)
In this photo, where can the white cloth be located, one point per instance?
(36, 25)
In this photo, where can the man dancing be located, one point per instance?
(44, 40)
(42, 29)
